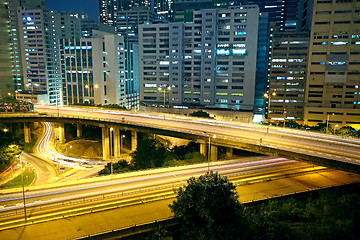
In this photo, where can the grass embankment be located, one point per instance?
(16, 182)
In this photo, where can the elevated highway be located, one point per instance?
(322, 149)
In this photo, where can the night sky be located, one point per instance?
(88, 6)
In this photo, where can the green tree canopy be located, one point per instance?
(200, 113)
(149, 154)
(208, 208)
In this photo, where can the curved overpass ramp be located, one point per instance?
(328, 150)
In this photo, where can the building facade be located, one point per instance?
(111, 11)
(210, 62)
(7, 86)
(15, 40)
(288, 15)
(261, 80)
(333, 78)
(184, 9)
(93, 69)
(286, 92)
(39, 49)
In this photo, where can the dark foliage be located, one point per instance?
(118, 167)
(149, 153)
(208, 208)
(182, 150)
(200, 113)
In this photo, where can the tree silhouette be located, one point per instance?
(208, 208)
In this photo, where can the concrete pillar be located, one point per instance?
(35, 125)
(229, 152)
(79, 130)
(214, 153)
(27, 132)
(204, 149)
(105, 143)
(133, 140)
(61, 131)
(117, 151)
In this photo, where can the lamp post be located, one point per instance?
(121, 142)
(284, 117)
(335, 129)
(209, 150)
(30, 85)
(266, 95)
(22, 183)
(167, 88)
(111, 129)
(327, 121)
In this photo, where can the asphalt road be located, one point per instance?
(138, 188)
(308, 143)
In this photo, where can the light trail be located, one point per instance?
(46, 151)
(238, 168)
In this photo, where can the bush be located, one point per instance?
(200, 113)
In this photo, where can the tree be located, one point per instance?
(149, 154)
(200, 113)
(118, 167)
(208, 208)
(321, 127)
(347, 131)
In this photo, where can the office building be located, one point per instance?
(15, 40)
(87, 25)
(111, 11)
(286, 88)
(210, 62)
(128, 22)
(39, 50)
(93, 70)
(184, 9)
(288, 15)
(7, 86)
(333, 77)
(261, 68)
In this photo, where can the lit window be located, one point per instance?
(339, 43)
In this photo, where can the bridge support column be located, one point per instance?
(229, 152)
(78, 130)
(133, 140)
(61, 131)
(105, 143)
(214, 153)
(203, 149)
(117, 150)
(35, 125)
(27, 132)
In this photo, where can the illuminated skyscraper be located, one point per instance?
(333, 78)
(288, 15)
(210, 62)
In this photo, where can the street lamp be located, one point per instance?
(168, 88)
(111, 129)
(266, 95)
(67, 149)
(335, 129)
(121, 142)
(209, 149)
(284, 117)
(327, 121)
(22, 183)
